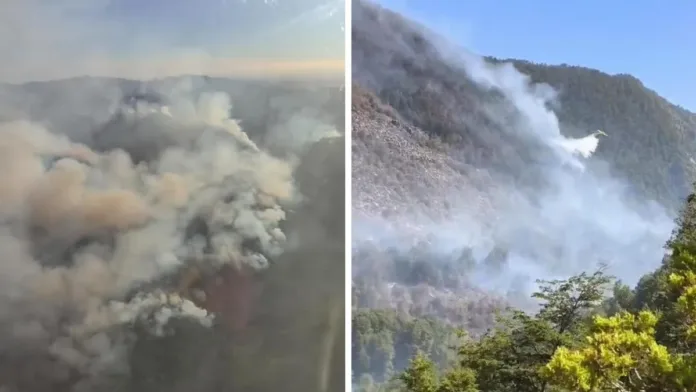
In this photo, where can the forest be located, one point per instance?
(591, 333)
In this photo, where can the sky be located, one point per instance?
(48, 39)
(649, 39)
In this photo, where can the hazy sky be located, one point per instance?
(652, 40)
(43, 39)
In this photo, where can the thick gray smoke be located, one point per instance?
(89, 233)
(581, 216)
(127, 226)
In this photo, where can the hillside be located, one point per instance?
(459, 202)
(651, 140)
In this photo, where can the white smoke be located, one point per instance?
(580, 217)
(87, 235)
(300, 125)
(583, 218)
(533, 102)
(583, 147)
(301, 131)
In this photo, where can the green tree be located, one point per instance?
(421, 376)
(651, 350)
(458, 380)
(682, 284)
(647, 342)
(384, 340)
(620, 354)
(623, 299)
(509, 357)
(567, 302)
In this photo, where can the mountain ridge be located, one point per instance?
(382, 58)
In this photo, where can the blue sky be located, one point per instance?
(650, 39)
(44, 39)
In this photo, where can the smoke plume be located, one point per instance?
(89, 233)
(577, 217)
(135, 213)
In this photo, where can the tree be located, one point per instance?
(643, 351)
(566, 302)
(682, 284)
(620, 354)
(660, 292)
(384, 341)
(421, 376)
(547, 351)
(622, 299)
(647, 343)
(509, 357)
(458, 380)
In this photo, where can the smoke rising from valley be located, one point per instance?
(575, 217)
(157, 213)
(150, 228)
(85, 231)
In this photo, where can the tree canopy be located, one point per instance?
(634, 340)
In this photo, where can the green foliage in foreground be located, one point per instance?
(641, 340)
(383, 340)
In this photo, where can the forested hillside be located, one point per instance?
(651, 140)
(590, 333)
(652, 143)
(430, 140)
(639, 339)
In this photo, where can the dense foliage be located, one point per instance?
(384, 340)
(638, 340)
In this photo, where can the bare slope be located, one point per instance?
(397, 166)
